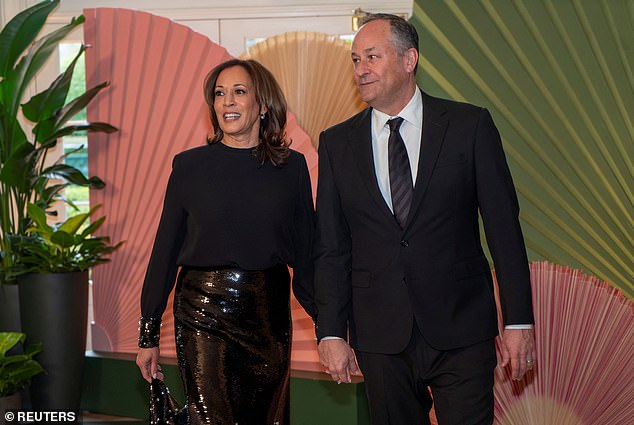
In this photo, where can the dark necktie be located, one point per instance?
(400, 173)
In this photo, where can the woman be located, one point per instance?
(237, 211)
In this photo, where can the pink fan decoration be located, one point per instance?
(156, 68)
(585, 365)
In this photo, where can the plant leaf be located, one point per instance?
(20, 31)
(33, 349)
(18, 165)
(16, 80)
(38, 215)
(71, 129)
(93, 226)
(63, 239)
(73, 107)
(67, 173)
(8, 340)
(44, 104)
(72, 224)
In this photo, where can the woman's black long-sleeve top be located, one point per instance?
(223, 208)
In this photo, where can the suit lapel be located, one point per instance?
(360, 139)
(433, 133)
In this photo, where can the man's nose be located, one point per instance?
(360, 68)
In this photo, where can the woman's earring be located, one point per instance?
(262, 115)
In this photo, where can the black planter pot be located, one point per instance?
(9, 308)
(54, 311)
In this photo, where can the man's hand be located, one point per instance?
(518, 347)
(338, 359)
(147, 361)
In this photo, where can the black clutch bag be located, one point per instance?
(164, 410)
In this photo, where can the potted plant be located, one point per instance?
(64, 247)
(25, 174)
(16, 370)
(53, 287)
(52, 282)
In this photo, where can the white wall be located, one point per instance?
(231, 22)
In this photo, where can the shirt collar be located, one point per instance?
(412, 113)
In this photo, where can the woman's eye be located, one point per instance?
(240, 91)
(218, 93)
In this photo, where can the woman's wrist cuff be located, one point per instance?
(149, 332)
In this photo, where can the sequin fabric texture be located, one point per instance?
(233, 331)
(164, 410)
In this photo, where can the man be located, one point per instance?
(400, 271)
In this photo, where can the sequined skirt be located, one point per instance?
(233, 334)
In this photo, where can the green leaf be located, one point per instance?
(17, 167)
(70, 110)
(20, 31)
(49, 193)
(71, 129)
(11, 134)
(38, 215)
(63, 239)
(44, 104)
(72, 224)
(96, 183)
(16, 81)
(8, 340)
(33, 349)
(93, 226)
(68, 173)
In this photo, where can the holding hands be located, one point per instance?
(338, 359)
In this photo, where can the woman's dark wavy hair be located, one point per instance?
(273, 144)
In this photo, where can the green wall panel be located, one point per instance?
(558, 77)
(113, 385)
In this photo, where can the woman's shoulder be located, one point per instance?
(296, 160)
(192, 155)
(295, 157)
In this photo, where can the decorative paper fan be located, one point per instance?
(585, 363)
(156, 68)
(315, 73)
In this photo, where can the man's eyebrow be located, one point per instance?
(368, 50)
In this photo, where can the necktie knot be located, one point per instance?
(395, 124)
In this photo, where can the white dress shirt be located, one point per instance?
(410, 131)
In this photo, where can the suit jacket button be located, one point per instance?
(404, 243)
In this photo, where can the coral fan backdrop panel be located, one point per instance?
(151, 102)
(157, 68)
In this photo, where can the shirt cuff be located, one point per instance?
(521, 326)
(326, 338)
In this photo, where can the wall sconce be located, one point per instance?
(358, 18)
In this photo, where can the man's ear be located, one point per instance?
(411, 58)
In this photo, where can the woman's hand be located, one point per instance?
(147, 361)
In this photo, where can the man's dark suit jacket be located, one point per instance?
(374, 278)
